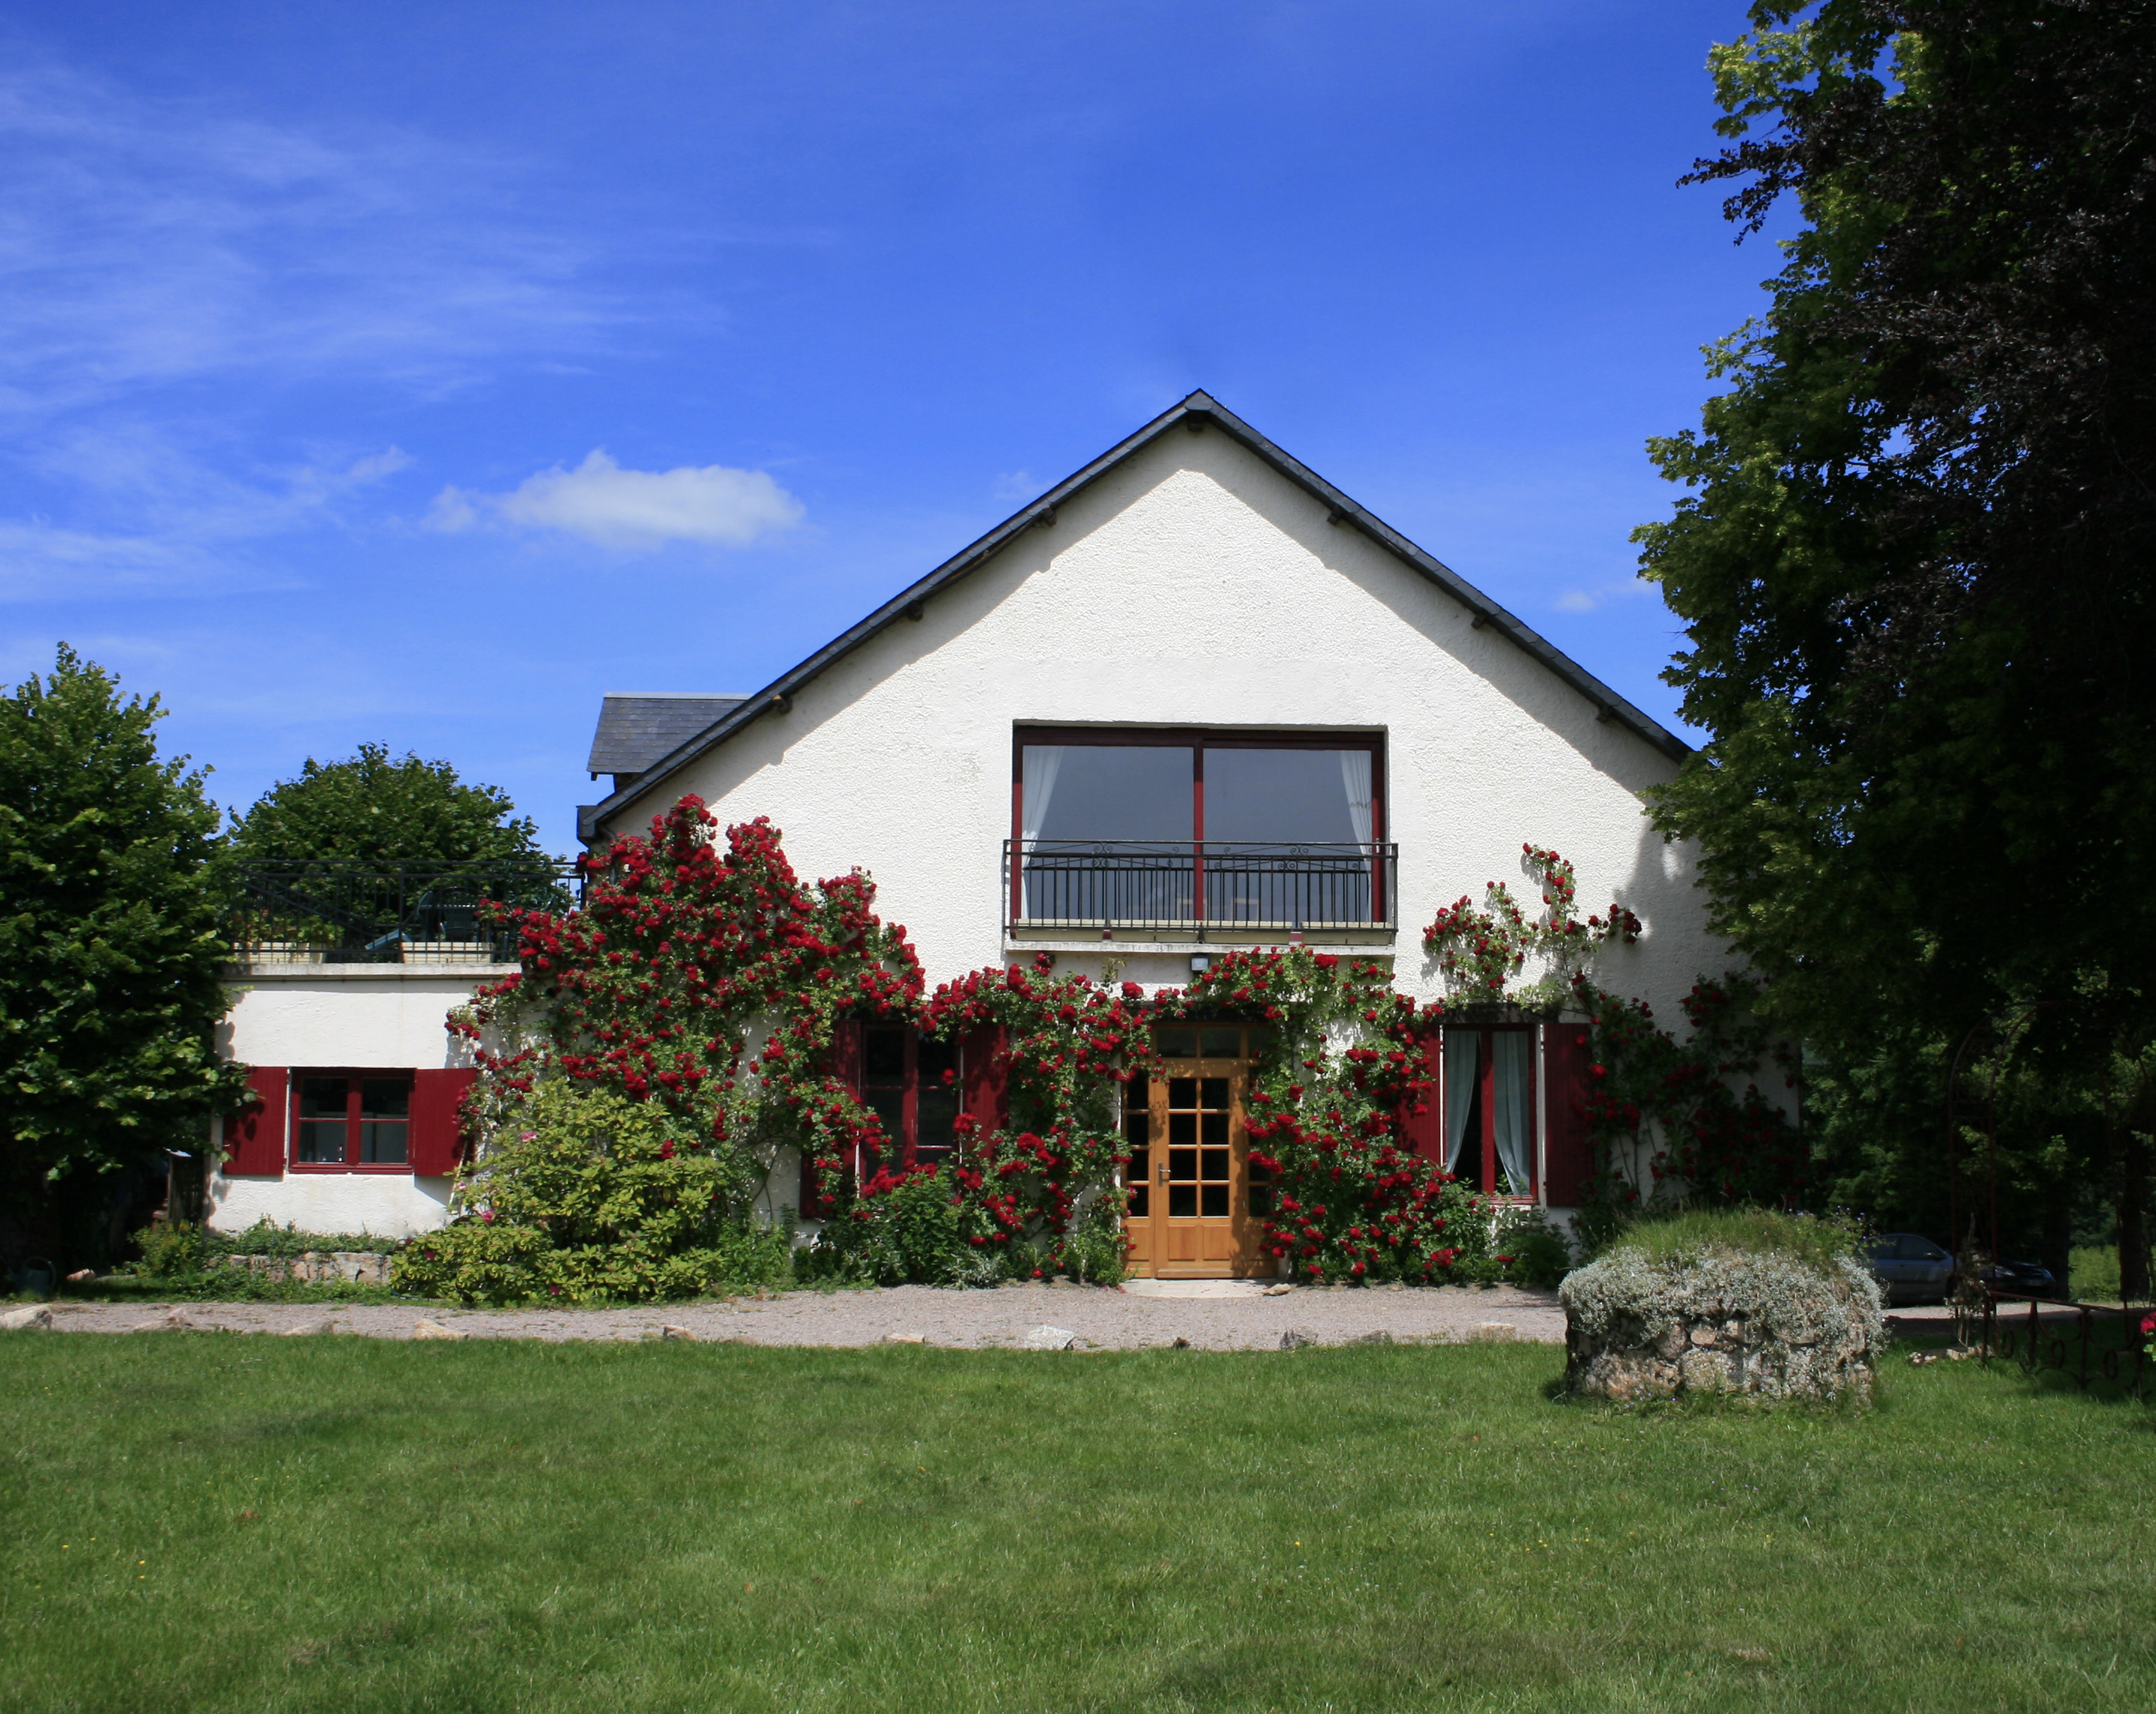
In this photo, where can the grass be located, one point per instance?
(1685, 1236)
(214, 1521)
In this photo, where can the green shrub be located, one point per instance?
(1690, 1234)
(173, 1252)
(2092, 1273)
(911, 1227)
(585, 1195)
(1539, 1253)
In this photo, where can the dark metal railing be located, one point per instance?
(336, 911)
(1197, 884)
(2101, 1342)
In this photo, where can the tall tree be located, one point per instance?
(110, 948)
(384, 809)
(1915, 564)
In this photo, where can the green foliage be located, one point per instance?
(1530, 1250)
(1901, 560)
(914, 1226)
(109, 943)
(173, 1252)
(380, 809)
(1693, 1234)
(1679, 1103)
(2093, 1274)
(584, 1195)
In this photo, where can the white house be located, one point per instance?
(1195, 698)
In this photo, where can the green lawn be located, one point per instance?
(205, 1521)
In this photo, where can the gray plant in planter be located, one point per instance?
(1654, 1322)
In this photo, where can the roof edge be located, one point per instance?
(1199, 411)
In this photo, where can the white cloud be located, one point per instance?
(1589, 600)
(148, 242)
(1014, 485)
(166, 270)
(186, 525)
(601, 502)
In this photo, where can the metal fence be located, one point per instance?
(1189, 885)
(349, 911)
(2101, 1341)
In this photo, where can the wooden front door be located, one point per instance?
(1194, 1211)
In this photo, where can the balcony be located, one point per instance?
(1200, 891)
(345, 911)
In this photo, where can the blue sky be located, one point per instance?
(418, 372)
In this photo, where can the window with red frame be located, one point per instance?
(910, 1084)
(348, 1122)
(1489, 1108)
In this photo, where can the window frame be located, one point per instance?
(1198, 740)
(1486, 1081)
(353, 1076)
(908, 1088)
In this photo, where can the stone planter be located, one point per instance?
(1765, 1327)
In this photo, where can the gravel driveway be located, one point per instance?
(1211, 1315)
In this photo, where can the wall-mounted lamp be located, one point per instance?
(1200, 963)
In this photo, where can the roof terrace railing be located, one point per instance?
(336, 911)
(1196, 885)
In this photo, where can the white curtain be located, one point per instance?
(1037, 787)
(1042, 762)
(1515, 1058)
(1355, 775)
(1461, 1046)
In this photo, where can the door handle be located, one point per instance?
(1164, 1172)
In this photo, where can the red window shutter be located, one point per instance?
(1569, 1164)
(841, 1060)
(437, 1139)
(254, 1138)
(985, 1072)
(1423, 1131)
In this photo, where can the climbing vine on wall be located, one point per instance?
(1328, 1097)
(1482, 950)
(1689, 1114)
(701, 984)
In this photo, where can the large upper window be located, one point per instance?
(1254, 827)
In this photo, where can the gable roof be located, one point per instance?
(1198, 412)
(638, 728)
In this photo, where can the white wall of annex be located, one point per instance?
(386, 1017)
(1195, 585)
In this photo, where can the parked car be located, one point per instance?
(2029, 1278)
(1910, 1268)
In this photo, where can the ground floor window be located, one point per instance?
(349, 1120)
(1489, 1096)
(910, 1083)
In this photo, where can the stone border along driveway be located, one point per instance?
(1209, 1315)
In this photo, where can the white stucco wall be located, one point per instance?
(385, 1016)
(1196, 587)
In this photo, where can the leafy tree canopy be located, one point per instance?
(1914, 563)
(110, 940)
(382, 809)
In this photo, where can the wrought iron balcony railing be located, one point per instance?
(1198, 884)
(349, 911)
